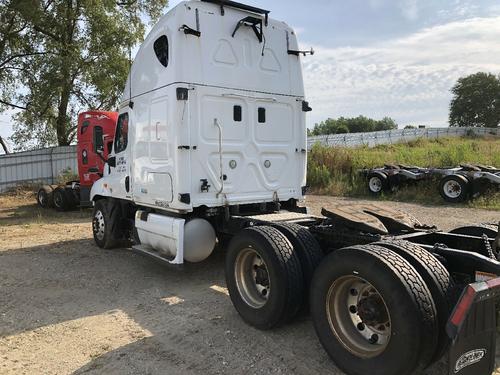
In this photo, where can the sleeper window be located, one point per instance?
(262, 115)
(237, 113)
(161, 50)
(121, 136)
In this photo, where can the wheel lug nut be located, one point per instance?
(361, 326)
(354, 292)
(373, 339)
(353, 309)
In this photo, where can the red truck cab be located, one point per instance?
(95, 133)
(96, 130)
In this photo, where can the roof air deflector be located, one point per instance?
(234, 4)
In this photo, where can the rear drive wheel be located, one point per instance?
(454, 188)
(105, 224)
(377, 183)
(60, 199)
(44, 197)
(305, 246)
(372, 312)
(438, 280)
(264, 277)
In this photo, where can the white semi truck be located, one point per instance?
(210, 149)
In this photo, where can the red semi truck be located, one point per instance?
(95, 133)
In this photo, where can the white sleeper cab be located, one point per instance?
(212, 117)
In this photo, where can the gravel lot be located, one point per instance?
(68, 307)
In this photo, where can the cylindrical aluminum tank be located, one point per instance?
(194, 239)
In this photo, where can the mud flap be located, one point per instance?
(472, 329)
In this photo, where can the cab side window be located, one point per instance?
(98, 139)
(121, 135)
(161, 50)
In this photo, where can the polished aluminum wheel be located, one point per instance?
(358, 316)
(252, 278)
(98, 225)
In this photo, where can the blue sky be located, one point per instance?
(396, 58)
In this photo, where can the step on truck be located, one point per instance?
(95, 134)
(210, 152)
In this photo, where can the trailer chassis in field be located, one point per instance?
(455, 185)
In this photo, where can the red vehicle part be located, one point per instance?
(472, 329)
(95, 133)
(96, 130)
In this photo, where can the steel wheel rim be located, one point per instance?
(363, 331)
(252, 278)
(99, 225)
(452, 189)
(375, 184)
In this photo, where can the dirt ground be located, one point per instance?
(68, 307)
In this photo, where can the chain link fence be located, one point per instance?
(396, 136)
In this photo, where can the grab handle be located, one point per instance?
(216, 123)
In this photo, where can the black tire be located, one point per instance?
(454, 188)
(377, 183)
(309, 252)
(44, 197)
(413, 325)
(490, 230)
(281, 304)
(438, 280)
(106, 228)
(61, 202)
(305, 246)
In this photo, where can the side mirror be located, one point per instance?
(112, 161)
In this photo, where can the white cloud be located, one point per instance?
(408, 79)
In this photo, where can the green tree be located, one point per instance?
(79, 60)
(476, 101)
(386, 123)
(352, 125)
(16, 51)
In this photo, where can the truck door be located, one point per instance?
(120, 180)
(153, 160)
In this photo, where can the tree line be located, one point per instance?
(475, 103)
(360, 124)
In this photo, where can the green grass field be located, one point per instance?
(334, 171)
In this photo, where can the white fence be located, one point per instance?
(39, 166)
(395, 136)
